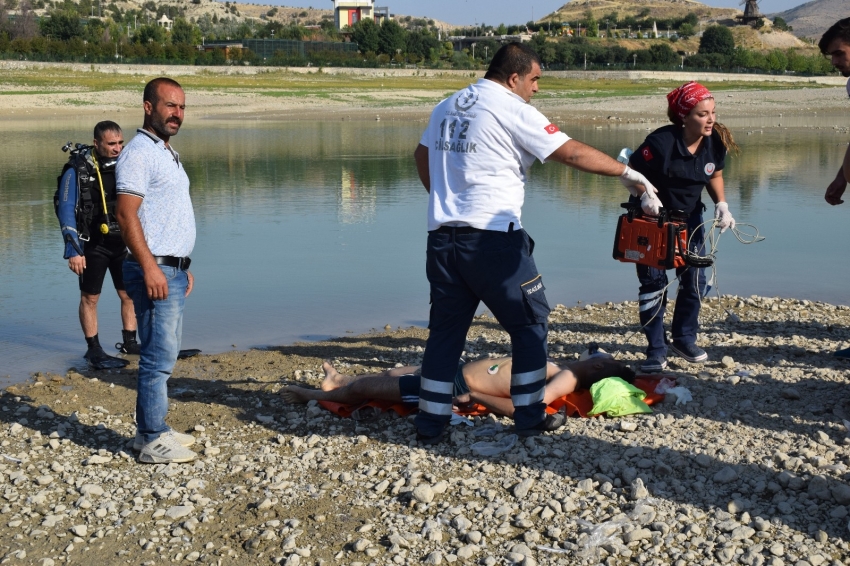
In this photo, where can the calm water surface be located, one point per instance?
(311, 230)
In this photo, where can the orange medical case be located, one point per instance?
(657, 242)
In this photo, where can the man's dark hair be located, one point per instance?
(511, 58)
(106, 126)
(840, 30)
(151, 93)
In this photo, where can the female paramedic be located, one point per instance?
(680, 160)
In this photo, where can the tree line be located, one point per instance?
(87, 32)
(717, 51)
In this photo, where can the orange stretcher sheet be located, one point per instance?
(347, 411)
(576, 404)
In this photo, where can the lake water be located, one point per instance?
(315, 229)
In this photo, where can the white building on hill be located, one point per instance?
(165, 22)
(349, 12)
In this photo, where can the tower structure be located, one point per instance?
(752, 15)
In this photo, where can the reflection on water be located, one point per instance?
(357, 202)
(313, 229)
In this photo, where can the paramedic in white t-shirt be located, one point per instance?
(473, 159)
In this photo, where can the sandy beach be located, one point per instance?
(754, 470)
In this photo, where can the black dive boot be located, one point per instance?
(129, 345)
(98, 359)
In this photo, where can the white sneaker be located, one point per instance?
(182, 439)
(166, 449)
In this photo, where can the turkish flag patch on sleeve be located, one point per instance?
(647, 155)
(551, 129)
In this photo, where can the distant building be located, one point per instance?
(382, 13)
(349, 12)
(165, 22)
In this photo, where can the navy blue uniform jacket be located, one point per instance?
(679, 176)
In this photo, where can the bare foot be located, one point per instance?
(333, 379)
(461, 402)
(295, 394)
(462, 399)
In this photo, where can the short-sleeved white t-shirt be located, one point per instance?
(481, 142)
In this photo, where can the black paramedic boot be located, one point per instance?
(549, 424)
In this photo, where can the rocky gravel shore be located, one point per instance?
(754, 470)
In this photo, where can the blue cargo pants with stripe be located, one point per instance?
(466, 266)
(652, 296)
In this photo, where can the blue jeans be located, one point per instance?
(497, 268)
(160, 330)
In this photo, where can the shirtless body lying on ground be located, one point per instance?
(485, 381)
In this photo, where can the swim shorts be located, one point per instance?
(108, 255)
(409, 384)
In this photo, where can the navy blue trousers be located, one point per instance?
(653, 299)
(466, 267)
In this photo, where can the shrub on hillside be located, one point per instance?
(717, 39)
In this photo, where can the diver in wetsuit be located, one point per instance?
(85, 205)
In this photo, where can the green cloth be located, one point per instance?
(616, 398)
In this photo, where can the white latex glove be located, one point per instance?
(629, 178)
(649, 202)
(723, 216)
(627, 175)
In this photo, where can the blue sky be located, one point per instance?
(494, 12)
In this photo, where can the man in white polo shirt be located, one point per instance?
(473, 159)
(154, 211)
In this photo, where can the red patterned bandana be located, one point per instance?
(683, 99)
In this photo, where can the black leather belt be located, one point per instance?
(181, 263)
(458, 230)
